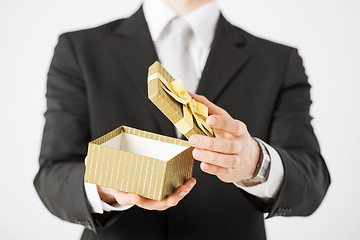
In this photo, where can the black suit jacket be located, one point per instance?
(98, 81)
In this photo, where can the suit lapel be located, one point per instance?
(226, 58)
(136, 52)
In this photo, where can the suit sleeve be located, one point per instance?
(306, 177)
(60, 179)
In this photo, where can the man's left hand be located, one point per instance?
(233, 154)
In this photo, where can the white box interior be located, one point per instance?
(144, 146)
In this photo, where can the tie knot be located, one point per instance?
(181, 27)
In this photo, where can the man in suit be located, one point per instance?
(253, 87)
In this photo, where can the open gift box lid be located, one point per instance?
(171, 97)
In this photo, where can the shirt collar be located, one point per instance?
(202, 20)
(157, 14)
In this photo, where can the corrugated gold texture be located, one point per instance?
(129, 172)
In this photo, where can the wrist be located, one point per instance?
(255, 157)
(262, 168)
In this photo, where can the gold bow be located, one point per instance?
(191, 108)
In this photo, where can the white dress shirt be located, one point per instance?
(203, 23)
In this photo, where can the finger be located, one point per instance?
(190, 183)
(214, 170)
(124, 198)
(212, 108)
(151, 204)
(217, 159)
(180, 192)
(220, 145)
(170, 201)
(227, 124)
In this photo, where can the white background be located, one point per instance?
(326, 32)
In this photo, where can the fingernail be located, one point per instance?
(194, 140)
(182, 194)
(192, 185)
(168, 204)
(198, 153)
(211, 121)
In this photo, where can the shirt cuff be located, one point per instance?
(269, 188)
(97, 205)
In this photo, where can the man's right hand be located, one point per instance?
(115, 197)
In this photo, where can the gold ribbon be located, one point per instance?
(191, 108)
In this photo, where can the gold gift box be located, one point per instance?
(175, 104)
(135, 161)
